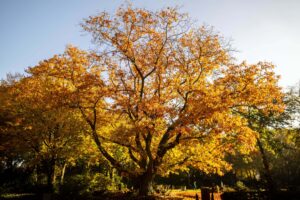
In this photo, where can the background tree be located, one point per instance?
(46, 129)
(9, 148)
(278, 142)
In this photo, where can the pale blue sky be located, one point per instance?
(266, 30)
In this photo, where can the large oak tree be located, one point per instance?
(163, 90)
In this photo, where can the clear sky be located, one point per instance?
(261, 30)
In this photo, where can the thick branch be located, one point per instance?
(148, 140)
(164, 146)
(112, 161)
(141, 151)
(181, 162)
(134, 158)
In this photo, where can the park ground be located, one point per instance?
(171, 195)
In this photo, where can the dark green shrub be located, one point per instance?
(77, 186)
(74, 187)
(99, 182)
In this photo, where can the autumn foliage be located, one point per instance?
(167, 93)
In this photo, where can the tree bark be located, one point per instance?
(268, 175)
(63, 173)
(145, 183)
(51, 174)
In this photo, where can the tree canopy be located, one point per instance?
(166, 92)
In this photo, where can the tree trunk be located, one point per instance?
(269, 179)
(63, 173)
(35, 174)
(51, 175)
(145, 184)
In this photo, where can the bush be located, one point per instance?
(240, 186)
(77, 186)
(99, 182)
(74, 187)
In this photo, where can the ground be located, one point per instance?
(190, 194)
(171, 195)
